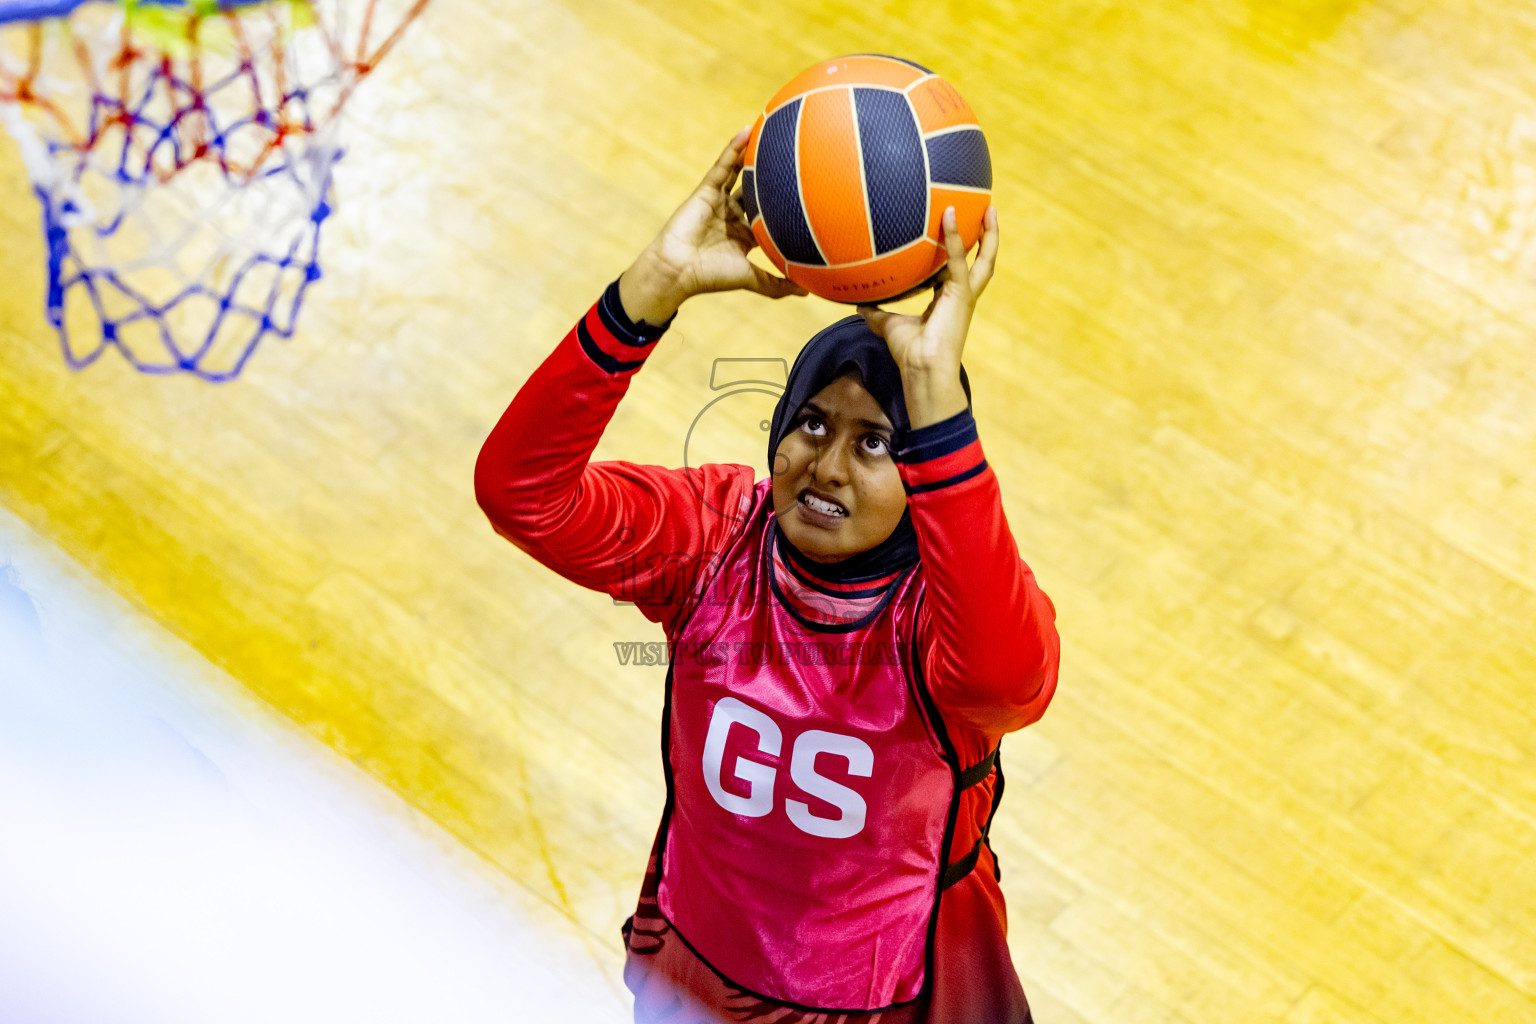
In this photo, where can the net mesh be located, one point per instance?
(183, 158)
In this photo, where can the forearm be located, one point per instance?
(933, 393)
(993, 649)
(650, 290)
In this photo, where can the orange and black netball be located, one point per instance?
(848, 171)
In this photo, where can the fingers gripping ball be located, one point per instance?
(849, 168)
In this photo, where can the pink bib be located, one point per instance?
(811, 800)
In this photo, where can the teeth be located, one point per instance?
(822, 506)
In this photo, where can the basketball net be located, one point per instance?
(182, 157)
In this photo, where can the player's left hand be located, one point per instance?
(701, 248)
(928, 347)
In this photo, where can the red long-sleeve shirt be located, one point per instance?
(986, 632)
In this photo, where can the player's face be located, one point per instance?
(839, 448)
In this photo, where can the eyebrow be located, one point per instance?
(819, 411)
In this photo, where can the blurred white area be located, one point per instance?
(172, 852)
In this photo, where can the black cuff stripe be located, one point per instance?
(938, 439)
(598, 356)
(610, 309)
(946, 482)
(958, 421)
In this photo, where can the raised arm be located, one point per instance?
(988, 633)
(634, 532)
(631, 531)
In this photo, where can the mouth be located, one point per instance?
(821, 509)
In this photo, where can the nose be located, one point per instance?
(830, 468)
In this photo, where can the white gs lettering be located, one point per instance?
(802, 769)
(758, 777)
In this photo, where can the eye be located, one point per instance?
(807, 422)
(875, 444)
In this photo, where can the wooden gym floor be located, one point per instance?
(1258, 377)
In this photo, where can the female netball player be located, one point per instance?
(850, 638)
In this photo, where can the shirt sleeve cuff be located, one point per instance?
(611, 340)
(940, 454)
(936, 439)
(611, 309)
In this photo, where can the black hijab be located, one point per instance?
(850, 344)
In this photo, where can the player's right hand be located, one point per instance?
(702, 248)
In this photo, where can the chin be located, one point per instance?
(804, 542)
